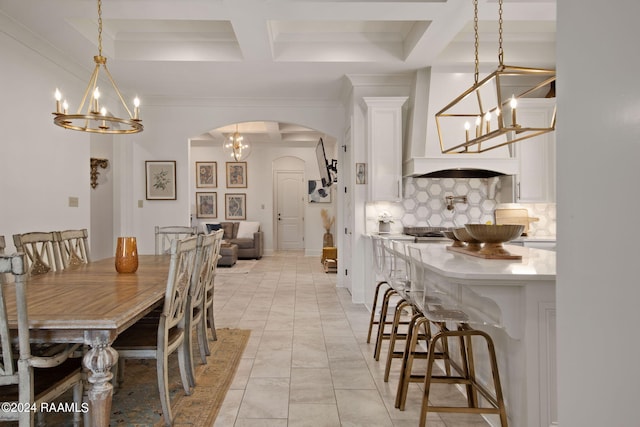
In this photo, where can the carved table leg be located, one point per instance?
(98, 362)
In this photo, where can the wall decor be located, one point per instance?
(161, 179)
(206, 174)
(206, 205)
(236, 174)
(318, 193)
(235, 206)
(361, 173)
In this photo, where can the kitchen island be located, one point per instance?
(517, 298)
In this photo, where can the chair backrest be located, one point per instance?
(10, 264)
(182, 271)
(41, 251)
(378, 255)
(3, 276)
(208, 249)
(165, 235)
(74, 249)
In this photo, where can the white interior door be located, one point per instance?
(290, 209)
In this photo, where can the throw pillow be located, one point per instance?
(213, 227)
(247, 228)
(228, 230)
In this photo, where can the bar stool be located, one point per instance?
(378, 264)
(441, 307)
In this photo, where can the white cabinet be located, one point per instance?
(384, 147)
(536, 180)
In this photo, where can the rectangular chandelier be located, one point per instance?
(485, 116)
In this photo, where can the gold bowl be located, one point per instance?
(493, 236)
(450, 235)
(463, 235)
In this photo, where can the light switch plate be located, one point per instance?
(73, 202)
(139, 203)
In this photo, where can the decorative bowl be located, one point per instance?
(450, 235)
(463, 235)
(493, 236)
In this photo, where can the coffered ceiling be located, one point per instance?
(297, 49)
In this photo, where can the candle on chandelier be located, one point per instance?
(103, 112)
(513, 104)
(96, 96)
(478, 126)
(467, 126)
(65, 106)
(58, 97)
(136, 109)
(487, 118)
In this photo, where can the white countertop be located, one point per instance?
(536, 264)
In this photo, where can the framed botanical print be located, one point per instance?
(206, 174)
(318, 193)
(206, 205)
(160, 179)
(235, 206)
(361, 173)
(236, 174)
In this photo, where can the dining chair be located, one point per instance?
(146, 340)
(41, 250)
(209, 321)
(203, 275)
(165, 235)
(27, 380)
(3, 245)
(74, 249)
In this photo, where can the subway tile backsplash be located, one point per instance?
(425, 204)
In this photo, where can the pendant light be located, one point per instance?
(236, 147)
(94, 116)
(484, 117)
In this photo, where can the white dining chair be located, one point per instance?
(41, 251)
(208, 323)
(27, 380)
(165, 235)
(74, 247)
(157, 340)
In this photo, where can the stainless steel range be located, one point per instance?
(426, 234)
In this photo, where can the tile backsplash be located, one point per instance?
(425, 204)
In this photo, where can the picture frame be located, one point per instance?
(236, 174)
(235, 206)
(361, 173)
(317, 193)
(160, 179)
(206, 204)
(206, 174)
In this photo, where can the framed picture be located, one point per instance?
(318, 193)
(236, 174)
(161, 179)
(206, 174)
(361, 173)
(235, 206)
(207, 205)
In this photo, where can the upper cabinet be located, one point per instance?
(384, 147)
(536, 180)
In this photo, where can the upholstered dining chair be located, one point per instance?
(74, 248)
(146, 340)
(165, 235)
(25, 379)
(41, 250)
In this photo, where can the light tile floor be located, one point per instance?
(307, 362)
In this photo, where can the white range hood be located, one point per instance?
(459, 167)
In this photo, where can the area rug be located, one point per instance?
(242, 266)
(137, 402)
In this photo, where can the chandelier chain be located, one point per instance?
(500, 50)
(476, 42)
(99, 27)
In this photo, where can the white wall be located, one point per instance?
(41, 165)
(598, 150)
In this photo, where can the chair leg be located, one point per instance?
(78, 390)
(392, 354)
(163, 387)
(372, 320)
(185, 363)
(382, 322)
(203, 342)
(212, 323)
(411, 342)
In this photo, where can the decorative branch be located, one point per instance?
(327, 221)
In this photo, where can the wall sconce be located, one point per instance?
(454, 199)
(103, 163)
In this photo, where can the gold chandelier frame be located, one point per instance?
(492, 111)
(95, 119)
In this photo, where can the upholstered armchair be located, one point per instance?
(246, 234)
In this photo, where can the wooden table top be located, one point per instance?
(63, 305)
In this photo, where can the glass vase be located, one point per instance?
(126, 255)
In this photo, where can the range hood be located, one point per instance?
(422, 167)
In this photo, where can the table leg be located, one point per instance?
(98, 362)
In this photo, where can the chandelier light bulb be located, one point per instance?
(65, 106)
(513, 103)
(136, 109)
(467, 126)
(58, 97)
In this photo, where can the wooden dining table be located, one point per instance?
(91, 304)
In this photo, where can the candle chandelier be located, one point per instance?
(236, 147)
(485, 117)
(91, 116)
